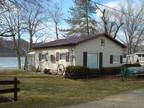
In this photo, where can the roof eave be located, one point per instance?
(116, 41)
(66, 45)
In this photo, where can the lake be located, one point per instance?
(10, 62)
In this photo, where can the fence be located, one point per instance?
(14, 90)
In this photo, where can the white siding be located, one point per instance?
(43, 64)
(91, 46)
(94, 46)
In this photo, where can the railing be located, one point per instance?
(14, 90)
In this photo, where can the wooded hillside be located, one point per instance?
(7, 48)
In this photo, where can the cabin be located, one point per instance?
(94, 51)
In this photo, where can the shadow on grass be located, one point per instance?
(5, 99)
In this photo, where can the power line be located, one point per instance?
(96, 3)
(107, 7)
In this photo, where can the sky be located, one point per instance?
(66, 4)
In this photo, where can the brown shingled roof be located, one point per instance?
(71, 41)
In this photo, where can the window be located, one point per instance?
(57, 56)
(43, 56)
(92, 60)
(53, 59)
(102, 42)
(67, 56)
(40, 56)
(62, 56)
(114, 59)
(46, 56)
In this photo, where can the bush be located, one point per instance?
(76, 72)
(80, 72)
(111, 71)
(77, 69)
(47, 71)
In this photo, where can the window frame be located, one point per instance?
(66, 56)
(102, 42)
(43, 56)
(52, 58)
(61, 56)
(116, 59)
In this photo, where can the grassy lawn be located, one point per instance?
(47, 91)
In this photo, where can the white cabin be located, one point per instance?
(94, 51)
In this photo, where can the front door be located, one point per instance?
(92, 60)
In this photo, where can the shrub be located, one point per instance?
(47, 71)
(76, 72)
(80, 72)
(111, 71)
(76, 69)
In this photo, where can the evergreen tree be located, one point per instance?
(81, 18)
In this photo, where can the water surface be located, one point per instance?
(10, 62)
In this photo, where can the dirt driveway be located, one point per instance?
(131, 99)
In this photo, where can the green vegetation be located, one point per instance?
(48, 91)
(81, 18)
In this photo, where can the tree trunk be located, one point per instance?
(56, 30)
(17, 51)
(26, 63)
(19, 61)
(31, 42)
(87, 19)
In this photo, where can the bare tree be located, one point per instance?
(13, 25)
(55, 14)
(111, 21)
(133, 27)
(6, 6)
(33, 21)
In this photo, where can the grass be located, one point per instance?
(48, 91)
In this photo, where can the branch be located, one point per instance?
(118, 27)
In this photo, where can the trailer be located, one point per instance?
(135, 58)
